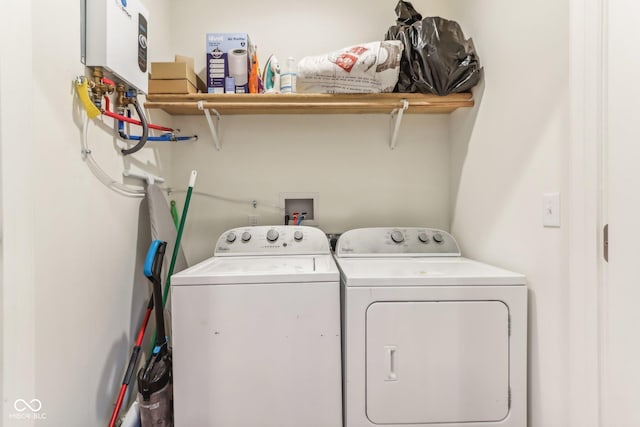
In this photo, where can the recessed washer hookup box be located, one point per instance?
(228, 62)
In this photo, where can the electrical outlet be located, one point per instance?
(551, 209)
(253, 220)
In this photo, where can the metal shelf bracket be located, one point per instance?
(396, 119)
(214, 127)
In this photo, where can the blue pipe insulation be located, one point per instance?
(165, 137)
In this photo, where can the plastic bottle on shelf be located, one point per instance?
(288, 78)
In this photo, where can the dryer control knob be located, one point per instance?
(423, 237)
(231, 237)
(397, 236)
(298, 235)
(438, 238)
(246, 236)
(272, 235)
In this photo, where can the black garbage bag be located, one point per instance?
(437, 58)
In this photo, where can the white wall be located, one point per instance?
(506, 153)
(18, 322)
(72, 290)
(345, 158)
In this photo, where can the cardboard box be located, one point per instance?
(175, 86)
(170, 70)
(186, 59)
(219, 48)
(181, 69)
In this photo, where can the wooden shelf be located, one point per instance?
(309, 103)
(394, 104)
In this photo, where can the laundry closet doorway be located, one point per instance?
(605, 190)
(621, 290)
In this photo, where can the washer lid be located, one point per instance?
(452, 271)
(259, 270)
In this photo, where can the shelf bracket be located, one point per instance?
(214, 127)
(396, 119)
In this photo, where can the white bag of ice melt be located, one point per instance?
(366, 68)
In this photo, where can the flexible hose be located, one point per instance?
(107, 112)
(134, 121)
(99, 173)
(145, 131)
(82, 89)
(231, 199)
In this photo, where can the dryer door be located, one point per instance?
(437, 362)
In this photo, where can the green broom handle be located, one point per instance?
(176, 248)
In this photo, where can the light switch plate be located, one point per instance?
(551, 209)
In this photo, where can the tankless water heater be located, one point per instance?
(115, 38)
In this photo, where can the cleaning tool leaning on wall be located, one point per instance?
(162, 228)
(155, 393)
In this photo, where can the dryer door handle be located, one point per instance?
(391, 362)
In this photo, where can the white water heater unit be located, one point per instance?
(115, 38)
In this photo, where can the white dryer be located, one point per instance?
(431, 339)
(256, 332)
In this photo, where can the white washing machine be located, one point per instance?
(256, 332)
(431, 339)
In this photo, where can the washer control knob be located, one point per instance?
(246, 236)
(298, 235)
(231, 237)
(272, 235)
(423, 237)
(437, 237)
(397, 236)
